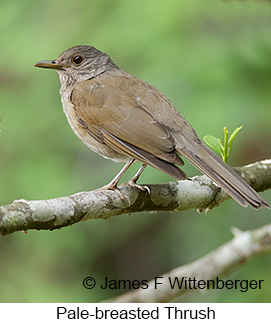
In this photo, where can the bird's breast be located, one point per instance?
(82, 133)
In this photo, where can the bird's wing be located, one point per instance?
(121, 121)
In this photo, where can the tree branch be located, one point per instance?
(197, 193)
(243, 247)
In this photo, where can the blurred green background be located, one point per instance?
(211, 58)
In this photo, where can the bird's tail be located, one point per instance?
(208, 163)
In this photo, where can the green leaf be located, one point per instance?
(215, 143)
(225, 148)
(232, 136)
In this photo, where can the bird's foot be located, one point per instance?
(112, 187)
(140, 187)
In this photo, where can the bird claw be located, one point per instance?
(117, 190)
(113, 188)
(140, 187)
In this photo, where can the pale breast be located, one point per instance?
(84, 136)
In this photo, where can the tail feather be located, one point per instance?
(223, 175)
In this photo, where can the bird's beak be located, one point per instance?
(50, 64)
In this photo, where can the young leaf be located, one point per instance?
(215, 143)
(232, 136)
(225, 148)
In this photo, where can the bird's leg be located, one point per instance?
(133, 180)
(113, 184)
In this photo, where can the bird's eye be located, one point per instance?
(77, 59)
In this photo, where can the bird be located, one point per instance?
(126, 119)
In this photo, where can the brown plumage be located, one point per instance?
(126, 119)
